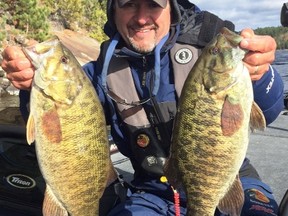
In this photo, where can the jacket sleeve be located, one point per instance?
(24, 98)
(268, 94)
(93, 72)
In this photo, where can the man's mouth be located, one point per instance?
(146, 29)
(142, 30)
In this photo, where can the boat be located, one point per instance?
(22, 185)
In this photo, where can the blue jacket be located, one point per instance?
(268, 91)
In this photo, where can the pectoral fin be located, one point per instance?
(257, 119)
(30, 130)
(232, 203)
(231, 118)
(51, 126)
(51, 205)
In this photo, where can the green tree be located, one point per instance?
(69, 10)
(28, 17)
(95, 14)
(87, 14)
(280, 34)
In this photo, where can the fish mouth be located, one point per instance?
(38, 52)
(233, 38)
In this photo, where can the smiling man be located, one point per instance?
(144, 30)
(139, 76)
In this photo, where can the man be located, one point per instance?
(136, 79)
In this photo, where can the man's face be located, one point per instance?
(142, 23)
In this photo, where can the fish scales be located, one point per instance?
(67, 122)
(210, 136)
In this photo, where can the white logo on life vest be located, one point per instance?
(271, 81)
(183, 56)
(151, 160)
(21, 181)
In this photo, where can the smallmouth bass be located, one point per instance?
(211, 130)
(68, 126)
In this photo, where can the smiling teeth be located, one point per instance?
(143, 31)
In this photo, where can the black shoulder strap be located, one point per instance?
(198, 28)
(211, 26)
(103, 51)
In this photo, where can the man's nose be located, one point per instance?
(143, 15)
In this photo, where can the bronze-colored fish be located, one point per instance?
(68, 125)
(211, 131)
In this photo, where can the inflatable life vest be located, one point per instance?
(149, 130)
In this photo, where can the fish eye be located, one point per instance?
(64, 59)
(214, 50)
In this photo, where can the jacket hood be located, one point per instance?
(110, 28)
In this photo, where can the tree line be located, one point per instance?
(33, 18)
(280, 34)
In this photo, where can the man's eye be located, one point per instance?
(129, 5)
(153, 5)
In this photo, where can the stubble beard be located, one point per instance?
(143, 49)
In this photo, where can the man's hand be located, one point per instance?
(18, 67)
(261, 52)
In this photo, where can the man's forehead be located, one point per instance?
(162, 3)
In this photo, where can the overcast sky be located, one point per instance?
(245, 13)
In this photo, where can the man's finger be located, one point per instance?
(16, 65)
(13, 52)
(23, 75)
(258, 58)
(257, 43)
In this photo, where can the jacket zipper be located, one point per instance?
(144, 73)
